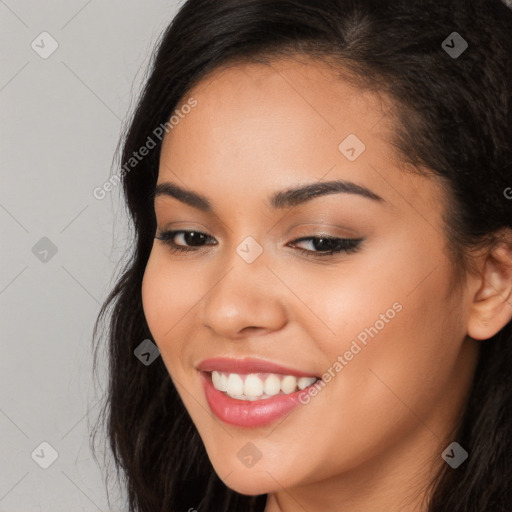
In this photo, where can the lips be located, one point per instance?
(246, 366)
(254, 412)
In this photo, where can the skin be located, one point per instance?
(372, 438)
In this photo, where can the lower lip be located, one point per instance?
(246, 413)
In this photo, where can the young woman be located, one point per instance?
(317, 312)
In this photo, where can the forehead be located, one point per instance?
(292, 107)
(271, 99)
(265, 127)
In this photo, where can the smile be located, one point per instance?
(256, 386)
(251, 393)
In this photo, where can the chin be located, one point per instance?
(251, 485)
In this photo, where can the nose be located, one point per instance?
(245, 301)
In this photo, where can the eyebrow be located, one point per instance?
(279, 200)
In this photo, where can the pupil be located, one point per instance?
(193, 237)
(323, 244)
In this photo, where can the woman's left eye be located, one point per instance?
(327, 245)
(323, 245)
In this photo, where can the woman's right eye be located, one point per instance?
(189, 237)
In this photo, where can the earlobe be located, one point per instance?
(491, 308)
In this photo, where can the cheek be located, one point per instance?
(355, 297)
(393, 325)
(405, 356)
(169, 294)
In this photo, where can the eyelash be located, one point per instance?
(347, 245)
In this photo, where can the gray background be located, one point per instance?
(61, 118)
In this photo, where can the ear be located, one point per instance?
(491, 308)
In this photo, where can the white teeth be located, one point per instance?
(304, 382)
(289, 384)
(253, 387)
(235, 385)
(220, 381)
(272, 385)
(216, 379)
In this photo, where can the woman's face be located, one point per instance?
(376, 322)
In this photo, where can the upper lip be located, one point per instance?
(247, 365)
